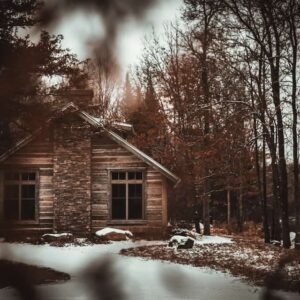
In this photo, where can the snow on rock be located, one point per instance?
(62, 237)
(113, 234)
(292, 236)
(182, 242)
(201, 227)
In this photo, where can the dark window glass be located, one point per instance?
(11, 191)
(115, 175)
(28, 191)
(122, 175)
(119, 201)
(135, 201)
(11, 209)
(28, 210)
(11, 176)
(139, 175)
(19, 198)
(28, 176)
(11, 202)
(135, 175)
(131, 175)
(118, 175)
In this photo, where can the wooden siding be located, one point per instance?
(108, 155)
(37, 156)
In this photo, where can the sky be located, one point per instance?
(79, 27)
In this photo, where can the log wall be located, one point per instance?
(36, 156)
(107, 155)
(101, 155)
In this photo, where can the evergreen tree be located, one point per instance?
(24, 65)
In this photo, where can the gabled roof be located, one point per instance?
(97, 123)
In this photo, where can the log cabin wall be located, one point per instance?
(37, 156)
(108, 156)
(73, 182)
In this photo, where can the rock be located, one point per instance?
(182, 242)
(58, 237)
(113, 234)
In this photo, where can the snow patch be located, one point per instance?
(214, 239)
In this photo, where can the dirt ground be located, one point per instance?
(252, 260)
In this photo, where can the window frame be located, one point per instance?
(127, 182)
(20, 182)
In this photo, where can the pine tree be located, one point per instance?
(24, 65)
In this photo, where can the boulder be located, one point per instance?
(58, 237)
(181, 242)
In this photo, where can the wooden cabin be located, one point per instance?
(76, 175)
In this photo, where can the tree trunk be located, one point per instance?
(240, 210)
(261, 186)
(228, 207)
(264, 197)
(206, 210)
(276, 228)
(283, 174)
(294, 43)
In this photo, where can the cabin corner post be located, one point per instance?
(164, 203)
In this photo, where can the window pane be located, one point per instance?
(114, 175)
(139, 175)
(119, 201)
(28, 210)
(118, 175)
(119, 190)
(11, 191)
(131, 175)
(28, 191)
(135, 190)
(122, 175)
(11, 176)
(135, 175)
(28, 176)
(11, 209)
(11, 202)
(135, 201)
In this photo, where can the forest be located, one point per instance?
(215, 98)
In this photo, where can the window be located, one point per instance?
(127, 195)
(20, 196)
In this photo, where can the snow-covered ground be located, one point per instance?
(142, 279)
